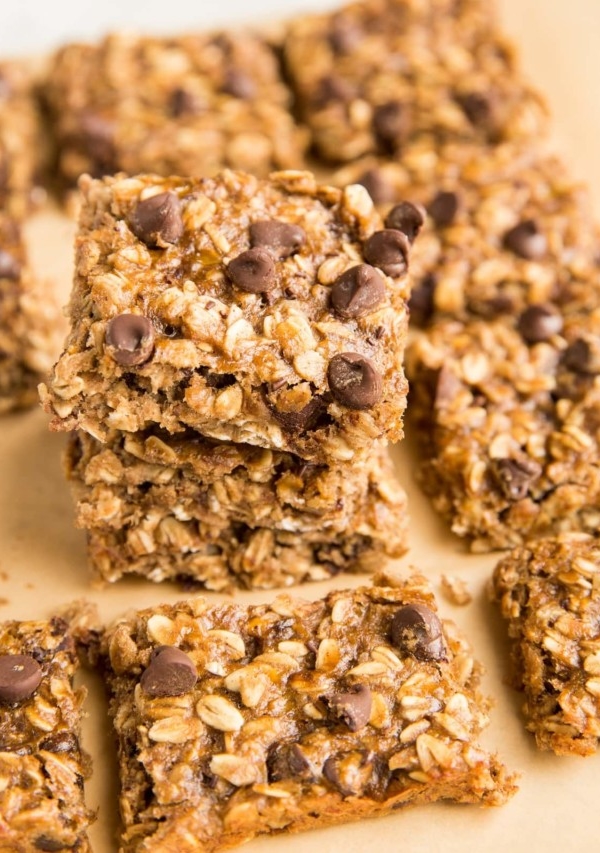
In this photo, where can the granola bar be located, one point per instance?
(549, 593)
(375, 75)
(42, 767)
(190, 105)
(230, 515)
(30, 327)
(270, 313)
(507, 415)
(237, 720)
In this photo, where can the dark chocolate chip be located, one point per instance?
(357, 292)
(170, 672)
(421, 304)
(50, 845)
(281, 238)
(302, 420)
(98, 138)
(354, 381)
(353, 707)
(389, 250)
(540, 323)
(417, 631)
(287, 761)
(20, 677)
(350, 772)
(157, 220)
(443, 208)
(406, 217)
(332, 89)
(447, 386)
(253, 271)
(60, 742)
(184, 102)
(391, 123)
(239, 84)
(516, 476)
(479, 108)
(578, 357)
(10, 268)
(344, 35)
(380, 190)
(526, 240)
(130, 339)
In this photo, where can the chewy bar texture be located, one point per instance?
(375, 75)
(270, 313)
(23, 148)
(500, 228)
(190, 105)
(42, 767)
(233, 721)
(549, 592)
(30, 323)
(229, 516)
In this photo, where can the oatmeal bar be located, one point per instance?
(23, 147)
(42, 767)
(230, 515)
(507, 415)
(550, 595)
(270, 313)
(30, 323)
(189, 105)
(499, 227)
(237, 720)
(376, 75)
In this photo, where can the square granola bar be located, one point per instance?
(233, 721)
(270, 313)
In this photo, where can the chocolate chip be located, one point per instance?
(443, 208)
(98, 137)
(417, 631)
(302, 420)
(406, 217)
(353, 707)
(253, 271)
(479, 108)
(60, 742)
(287, 761)
(354, 381)
(50, 845)
(578, 357)
(344, 36)
(388, 250)
(281, 238)
(526, 240)
(421, 304)
(239, 84)
(391, 123)
(351, 772)
(184, 103)
(157, 220)
(332, 89)
(515, 476)
(357, 291)
(170, 672)
(447, 386)
(380, 190)
(130, 339)
(539, 323)
(20, 677)
(10, 268)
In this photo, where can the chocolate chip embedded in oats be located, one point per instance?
(380, 189)
(417, 631)
(350, 772)
(10, 268)
(303, 419)
(357, 291)
(353, 707)
(405, 217)
(239, 84)
(354, 381)
(157, 220)
(422, 301)
(253, 271)
(287, 761)
(281, 238)
(344, 36)
(331, 89)
(540, 323)
(391, 122)
(20, 677)
(389, 250)
(443, 208)
(480, 109)
(129, 339)
(578, 357)
(526, 240)
(516, 476)
(169, 673)
(184, 102)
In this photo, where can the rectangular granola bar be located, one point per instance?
(233, 721)
(549, 592)
(375, 75)
(270, 313)
(230, 515)
(42, 767)
(189, 105)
